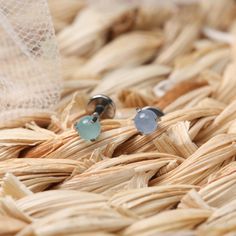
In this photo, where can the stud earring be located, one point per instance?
(100, 107)
(146, 119)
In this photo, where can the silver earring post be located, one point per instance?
(99, 107)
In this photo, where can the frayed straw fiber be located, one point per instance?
(178, 181)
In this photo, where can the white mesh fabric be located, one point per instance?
(29, 62)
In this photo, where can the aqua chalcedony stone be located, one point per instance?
(145, 121)
(88, 129)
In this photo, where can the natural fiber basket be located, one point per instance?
(180, 180)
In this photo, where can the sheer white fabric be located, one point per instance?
(29, 62)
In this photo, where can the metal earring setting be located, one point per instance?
(146, 119)
(100, 107)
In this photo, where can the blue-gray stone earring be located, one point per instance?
(146, 119)
(100, 107)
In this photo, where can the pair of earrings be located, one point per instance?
(102, 107)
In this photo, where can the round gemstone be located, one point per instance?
(145, 121)
(88, 129)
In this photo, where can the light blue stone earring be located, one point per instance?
(146, 119)
(100, 107)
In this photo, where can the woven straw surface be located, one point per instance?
(180, 180)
